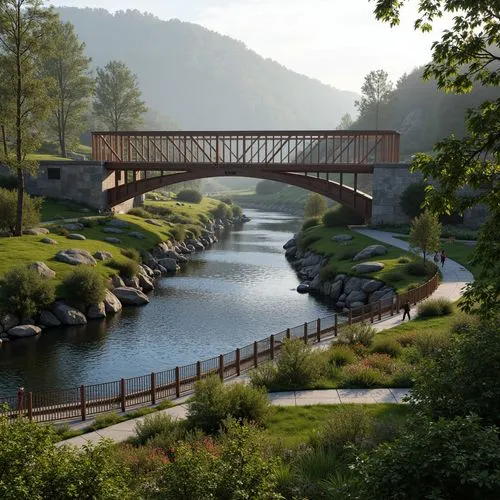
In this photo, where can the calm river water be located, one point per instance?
(239, 291)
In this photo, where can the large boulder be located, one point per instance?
(112, 230)
(48, 319)
(76, 257)
(303, 288)
(376, 296)
(111, 303)
(291, 252)
(368, 267)
(130, 296)
(137, 235)
(75, 236)
(369, 252)
(370, 286)
(290, 243)
(97, 311)
(146, 283)
(147, 270)
(9, 321)
(341, 238)
(356, 296)
(36, 231)
(356, 305)
(154, 222)
(114, 241)
(73, 226)
(352, 284)
(336, 290)
(24, 331)
(315, 284)
(68, 315)
(43, 270)
(132, 282)
(48, 241)
(103, 255)
(118, 223)
(116, 281)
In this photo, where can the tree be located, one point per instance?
(25, 29)
(467, 54)
(315, 205)
(118, 97)
(68, 67)
(425, 233)
(346, 122)
(376, 91)
(269, 187)
(8, 210)
(412, 199)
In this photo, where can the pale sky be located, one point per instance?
(335, 41)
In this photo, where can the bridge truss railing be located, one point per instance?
(86, 400)
(177, 149)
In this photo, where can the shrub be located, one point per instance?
(382, 362)
(431, 343)
(213, 402)
(348, 255)
(131, 253)
(464, 323)
(411, 355)
(412, 199)
(395, 276)
(341, 216)
(160, 211)
(264, 375)
(189, 196)
(404, 376)
(85, 285)
(8, 182)
(178, 232)
(435, 307)
(359, 333)
(237, 210)
(315, 205)
(269, 187)
(305, 240)
(227, 200)
(8, 210)
(385, 345)
(310, 222)
(297, 366)
(179, 219)
(222, 211)
(341, 355)
(362, 376)
(328, 273)
(152, 425)
(418, 268)
(407, 339)
(140, 212)
(404, 260)
(24, 293)
(127, 269)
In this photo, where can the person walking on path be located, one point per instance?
(443, 257)
(406, 309)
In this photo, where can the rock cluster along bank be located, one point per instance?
(346, 292)
(163, 260)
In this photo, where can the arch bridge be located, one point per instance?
(139, 162)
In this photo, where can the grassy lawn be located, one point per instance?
(46, 157)
(190, 210)
(340, 256)
(290, 426)
(53, 209)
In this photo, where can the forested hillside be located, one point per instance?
(423, 114)
(203, 80)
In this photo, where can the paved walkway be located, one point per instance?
(125, 430)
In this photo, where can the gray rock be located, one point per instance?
(290, 243)
(130, 296)
(118, 223)
(103, 255)
(114, 241)
(352, 284)
(342, 297)
(74, 226)
(368, 267)
(340, 304)
(376, 296)
(191, 248)
(336, 290)
(112, 230)
(137, 235)
(97, 311)
(356, 296)
(24, 331)
(370, 286)
(146, 283)
(369, 252)
(116, 281)
(340, 277)
(341, 238)
(43, 270)
(36, 231)
(152, 263)
(356, 305)
(303, 288)
(157, 273)
(315, 284)
(163, 270)
(154, 222)
(76, 257)
(147, 270)
(49, 241)
(48, 319)
(68, 315)
(9, 321)
(132, 282)
(291, 252)
(75, 236)
(111, 303)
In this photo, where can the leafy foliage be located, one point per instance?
(24, 292)
(8, 210)
(375, 91)
(85, 285)
(310, 222)
(126, 269)
(412, 199)
(315, 205)
(425, 233)
(359, 333)
(435, 307)
(222, 211)
(269, 187)
(341, 216)
(190, 196)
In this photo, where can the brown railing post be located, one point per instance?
(123, 396)
(20, 400)
(83, 402)
(288, 333)
(271, 346)
(198, 370)
(318, 329)
(305, 333)
(336, 324)
(30, 406)
(221, 367)
(255, 354)
(177, 382)
(153, 388)
(379, 310)
(238, 362)
(371, 312)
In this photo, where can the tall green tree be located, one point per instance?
(69, 68)
(315, 205)
(25, 29)
(425, 233)
(118, 97)
(346, 122)
(376, 90)
(467, 168)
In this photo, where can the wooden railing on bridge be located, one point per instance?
(87, 400)
(314, 150)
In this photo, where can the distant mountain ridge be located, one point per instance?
(203, 80)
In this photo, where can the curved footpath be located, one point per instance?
(455, 277)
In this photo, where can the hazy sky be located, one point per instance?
(335, 41)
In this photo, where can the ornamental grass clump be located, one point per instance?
(341, 355)
(359, 333)
(385, 345)
(435, 307)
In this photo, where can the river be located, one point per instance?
(240, 290)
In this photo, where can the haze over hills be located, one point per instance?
(203, 80)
